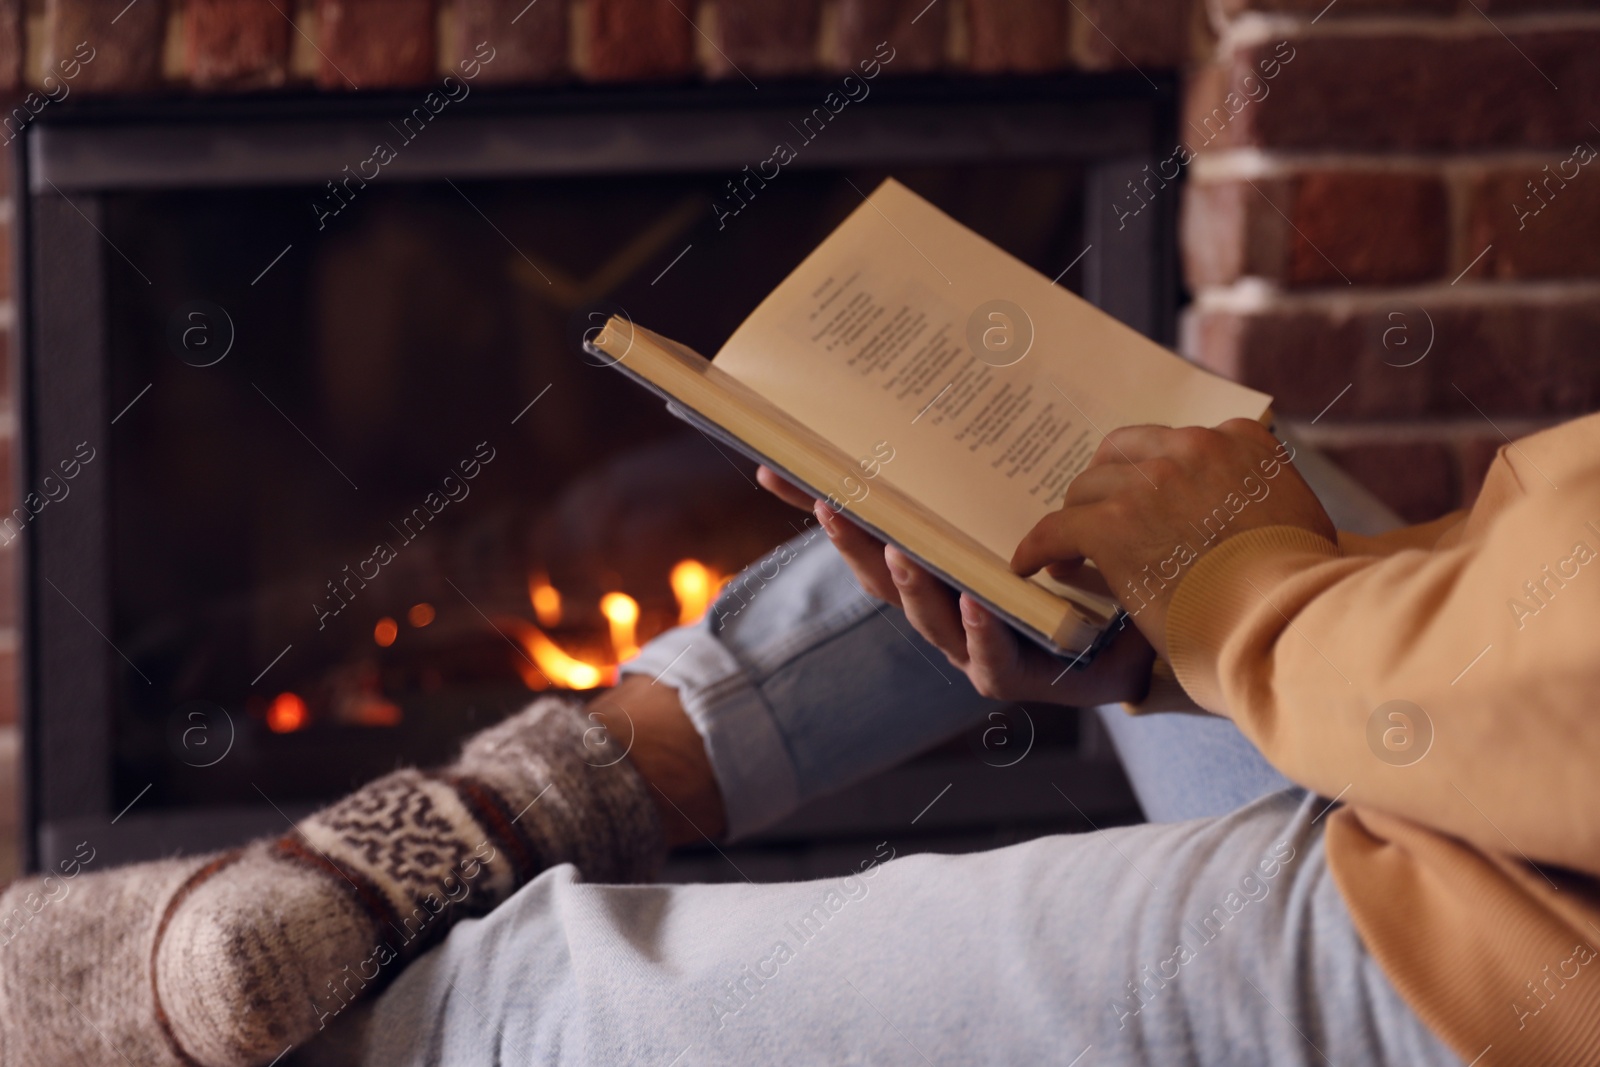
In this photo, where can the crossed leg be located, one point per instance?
(1219, 940)
(1193, 942)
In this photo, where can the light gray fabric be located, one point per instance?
(1039, 953)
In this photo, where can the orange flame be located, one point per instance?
(546, 601)
(551, 663)
(622, 612)
(694, 585)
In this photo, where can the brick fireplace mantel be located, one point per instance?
(1388, 206)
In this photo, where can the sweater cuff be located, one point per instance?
(1221, 590)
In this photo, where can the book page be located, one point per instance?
(906, 335)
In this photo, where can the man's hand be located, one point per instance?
(1154, 500)
(998, 663)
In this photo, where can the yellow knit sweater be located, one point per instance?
(1468, 844)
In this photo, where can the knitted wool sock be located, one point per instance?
(228, 960)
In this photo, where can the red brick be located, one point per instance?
(237, 43)
(1421, 469)
(1516, 7)
(912, 28)
(1218, 99)
(640, 40)
(1419, 92)
(1367, 228)
(1533, 235)
(375, 44)
(1303, 358)
(126, 54)
(1017, 36)
(759, 38)
(12, 44)
(1531, 357)
(1116, 34)
(5, 261)
(530, 43)
(8, 487)
(1322, 8)
(1225, 234)
(8, 592)
(1318, 228)
(1420, 480)
(9, 695)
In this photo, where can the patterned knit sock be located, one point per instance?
(228, 960)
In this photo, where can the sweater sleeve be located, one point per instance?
(1488, 643)
(1167, 694)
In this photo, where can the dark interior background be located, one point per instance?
(379, 357)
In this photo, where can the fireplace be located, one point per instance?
(320, 482)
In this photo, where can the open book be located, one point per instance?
(937, 391)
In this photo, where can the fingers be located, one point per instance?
(1097, 483)
(994, 658)
(1132, 444)
(1141, 444)
(1248, 430)
(1059, 537)
(862, 551)
(929, 604)
(783, 489)
(1005, 666)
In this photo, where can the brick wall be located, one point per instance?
(1374, 198)
(1360, 235)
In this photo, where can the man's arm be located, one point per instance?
(1303, 648)
(1492, 639)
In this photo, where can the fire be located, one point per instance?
(694, 584)
(546, 601)
(622, 612)
(286, 713)
(385, 632)
(552, 661)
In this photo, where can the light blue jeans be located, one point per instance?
(1213, 935)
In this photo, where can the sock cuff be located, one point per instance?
(419, 842)
(577, 797)
(493, 812)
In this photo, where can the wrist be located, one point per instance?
(663, 745)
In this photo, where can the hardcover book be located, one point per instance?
(938, 392)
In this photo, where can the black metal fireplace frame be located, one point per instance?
(74, 152)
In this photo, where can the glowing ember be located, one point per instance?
(694, 584)
(420, 615)
(385, 632)
(622, 612)
(546, 601)
(286, 713)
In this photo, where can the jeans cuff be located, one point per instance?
(749, 757)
